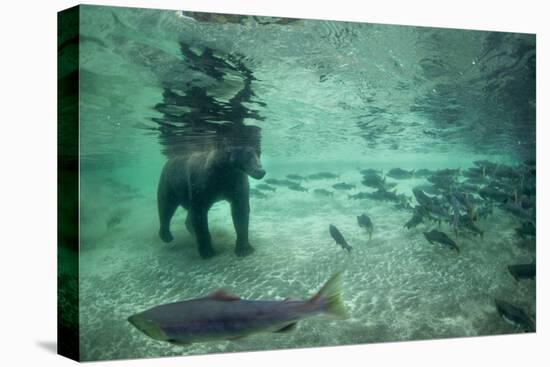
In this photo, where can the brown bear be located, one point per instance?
(197, 180)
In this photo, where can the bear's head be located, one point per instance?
(246, 159)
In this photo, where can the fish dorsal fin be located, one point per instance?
(221, 295)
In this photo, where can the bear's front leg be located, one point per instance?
(240, 211)
(199, 221)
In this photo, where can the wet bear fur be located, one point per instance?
(197, 180)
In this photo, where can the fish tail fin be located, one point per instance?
(330, 295)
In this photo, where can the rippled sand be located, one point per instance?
(396, 286)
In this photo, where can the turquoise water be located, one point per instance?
(328, 97)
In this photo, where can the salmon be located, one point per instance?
(221, 316)
(339, 238)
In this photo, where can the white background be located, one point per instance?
(28, 182)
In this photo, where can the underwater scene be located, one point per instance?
(257, 183)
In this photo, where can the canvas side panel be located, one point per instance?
(67, 182)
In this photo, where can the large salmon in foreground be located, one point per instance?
(221, 316)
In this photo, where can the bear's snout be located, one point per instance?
(257, 173)
(254, 167)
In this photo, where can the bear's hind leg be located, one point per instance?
(167, 207)
(199, 222)
(189, 225)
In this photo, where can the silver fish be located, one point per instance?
(339, 238)
(221, 316)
